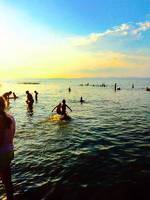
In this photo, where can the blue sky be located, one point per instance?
(69, 37)
(84, 16)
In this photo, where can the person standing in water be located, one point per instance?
(36, 95)
(81, 100)
(7, 132)
(69, 89)
(29, 100)
(115, 87)
(63, 108)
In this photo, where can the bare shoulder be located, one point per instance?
(11, 117)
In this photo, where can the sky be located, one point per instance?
(74, 38)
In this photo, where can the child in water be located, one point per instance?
(58, 109)
(63, 107)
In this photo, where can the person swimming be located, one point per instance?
(58, 109)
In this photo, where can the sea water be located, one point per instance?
(107, 136)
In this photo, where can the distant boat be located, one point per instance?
(29, 83)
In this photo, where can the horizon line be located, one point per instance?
(67, 78)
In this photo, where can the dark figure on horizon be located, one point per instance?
(29, 100)
(58, 109)
(132, 86)
(81, 100)
(115, 87)
(36, 95)
(69, 89)
(7, 132)
(63, 108)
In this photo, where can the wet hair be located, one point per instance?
(6, 121)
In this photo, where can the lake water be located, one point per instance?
(106, 142)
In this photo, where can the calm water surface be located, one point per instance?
(107, 140)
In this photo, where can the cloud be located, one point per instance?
(142, 27)
(124, 30)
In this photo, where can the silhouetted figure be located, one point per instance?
(36, 95)
(30, 109)
(14, 96)
(58, 109)
(7, 131)
(115, 87)
(132, 86)
(69, 89)
(81, 100)
(63, 108)
(29, 100)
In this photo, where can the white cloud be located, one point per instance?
(132, 30)
(142, 27)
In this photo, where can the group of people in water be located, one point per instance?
(60, 108)
(7, 132)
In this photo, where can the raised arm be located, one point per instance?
(69, 108)
(54, 108)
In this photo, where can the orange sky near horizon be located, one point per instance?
(34, 50)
